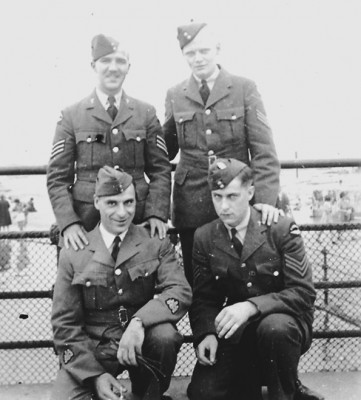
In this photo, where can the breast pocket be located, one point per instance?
(231, 123)
(186, 128)
(270, 275)
(134, 146)
(90, 147)
(143, 278)
(93, 284)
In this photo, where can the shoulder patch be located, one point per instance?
(294, 229)
(67, 356)
(172, 304)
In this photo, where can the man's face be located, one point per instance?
(201, 54)
(111, 71)
(117, 212)
(232, 202)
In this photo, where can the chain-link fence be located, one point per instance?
(28, 269)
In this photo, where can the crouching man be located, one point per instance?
(253, 296)
(116, 303)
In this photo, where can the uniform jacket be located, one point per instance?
(90, 287)
(232, 124)
(86, 139)
(273, 273)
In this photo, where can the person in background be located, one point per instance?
(116, 303)
(253, 296)
(214, 114)
(5, 217)
(107, 128)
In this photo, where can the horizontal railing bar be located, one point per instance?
(40, 294)
(285, 164)
(337, 284)
(32, 344)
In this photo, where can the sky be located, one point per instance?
(304, 55)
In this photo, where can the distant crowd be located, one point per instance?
(14, 211)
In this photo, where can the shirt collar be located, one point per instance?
(241, 228)
(210, 81)
(103, 98)
(109, 237)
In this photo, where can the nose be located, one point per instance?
(121, 211)
(113, 65)
(198, 56)
(224, 205)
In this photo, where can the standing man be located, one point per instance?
(107, 128)
(253, 298)
(116, 303)
(214, 114)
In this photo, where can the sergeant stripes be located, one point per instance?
(161, 144)
(58, 148)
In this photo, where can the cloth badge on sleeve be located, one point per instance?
(67, 356)
(58, 148)
(173, 305)
(261, 117)
(298, 266)
(295, 230)
(161, 144)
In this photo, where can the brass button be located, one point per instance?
(146, 274)
(276, 273)
(180, 120)
(243, 265)
(116, 167)
(88, 283)
(120, 291)
(138, 139)
(233, 117)
(249, 284)
(89, 139)
(115, 131)
(217, 277)
(115, 149)
(208, 111)
(211, 152)
(118, 271)
(208, 132)
(252, 273)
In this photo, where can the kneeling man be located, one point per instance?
(253, 296)
(116, 303)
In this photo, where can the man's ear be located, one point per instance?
(92, 64)
(250, 192)
(96, 201)
(218, 48)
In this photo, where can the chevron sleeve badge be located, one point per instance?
(58, 148)
(262, 118)
(300, 267)
(161, 144)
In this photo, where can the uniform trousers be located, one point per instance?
(161, 344)
(186, 237)
(266, 355)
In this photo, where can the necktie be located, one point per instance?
(204, 91)
(112, 109)
(236, 242)
(116, 245)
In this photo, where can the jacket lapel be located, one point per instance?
(255, 236)
(192, 91)
(101, 253)
(96, 109)
(221, 88)
(222, 240)
(125, 110)
(129, 246)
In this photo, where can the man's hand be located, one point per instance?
(269, 213)
(232, 317)
(156, 225)
(107, 387)
(206, 350)
(75, 236)
(131, 343)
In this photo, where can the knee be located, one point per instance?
(163, 336)
(278, 329)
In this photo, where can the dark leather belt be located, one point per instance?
(119, 315)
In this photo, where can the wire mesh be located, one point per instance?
(28, 263)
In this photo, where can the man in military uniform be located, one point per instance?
(214, 114)
(116, 303)
(107, 128)
(253, 298)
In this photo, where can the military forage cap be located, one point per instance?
(111, 182)
(223, 171)
(103, 45)
(186, 33)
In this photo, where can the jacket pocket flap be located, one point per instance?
(134, 134)
(143, 270)
(230, 113)
(90, 278)
(86, 136)
(184, 116)
(270, 268)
